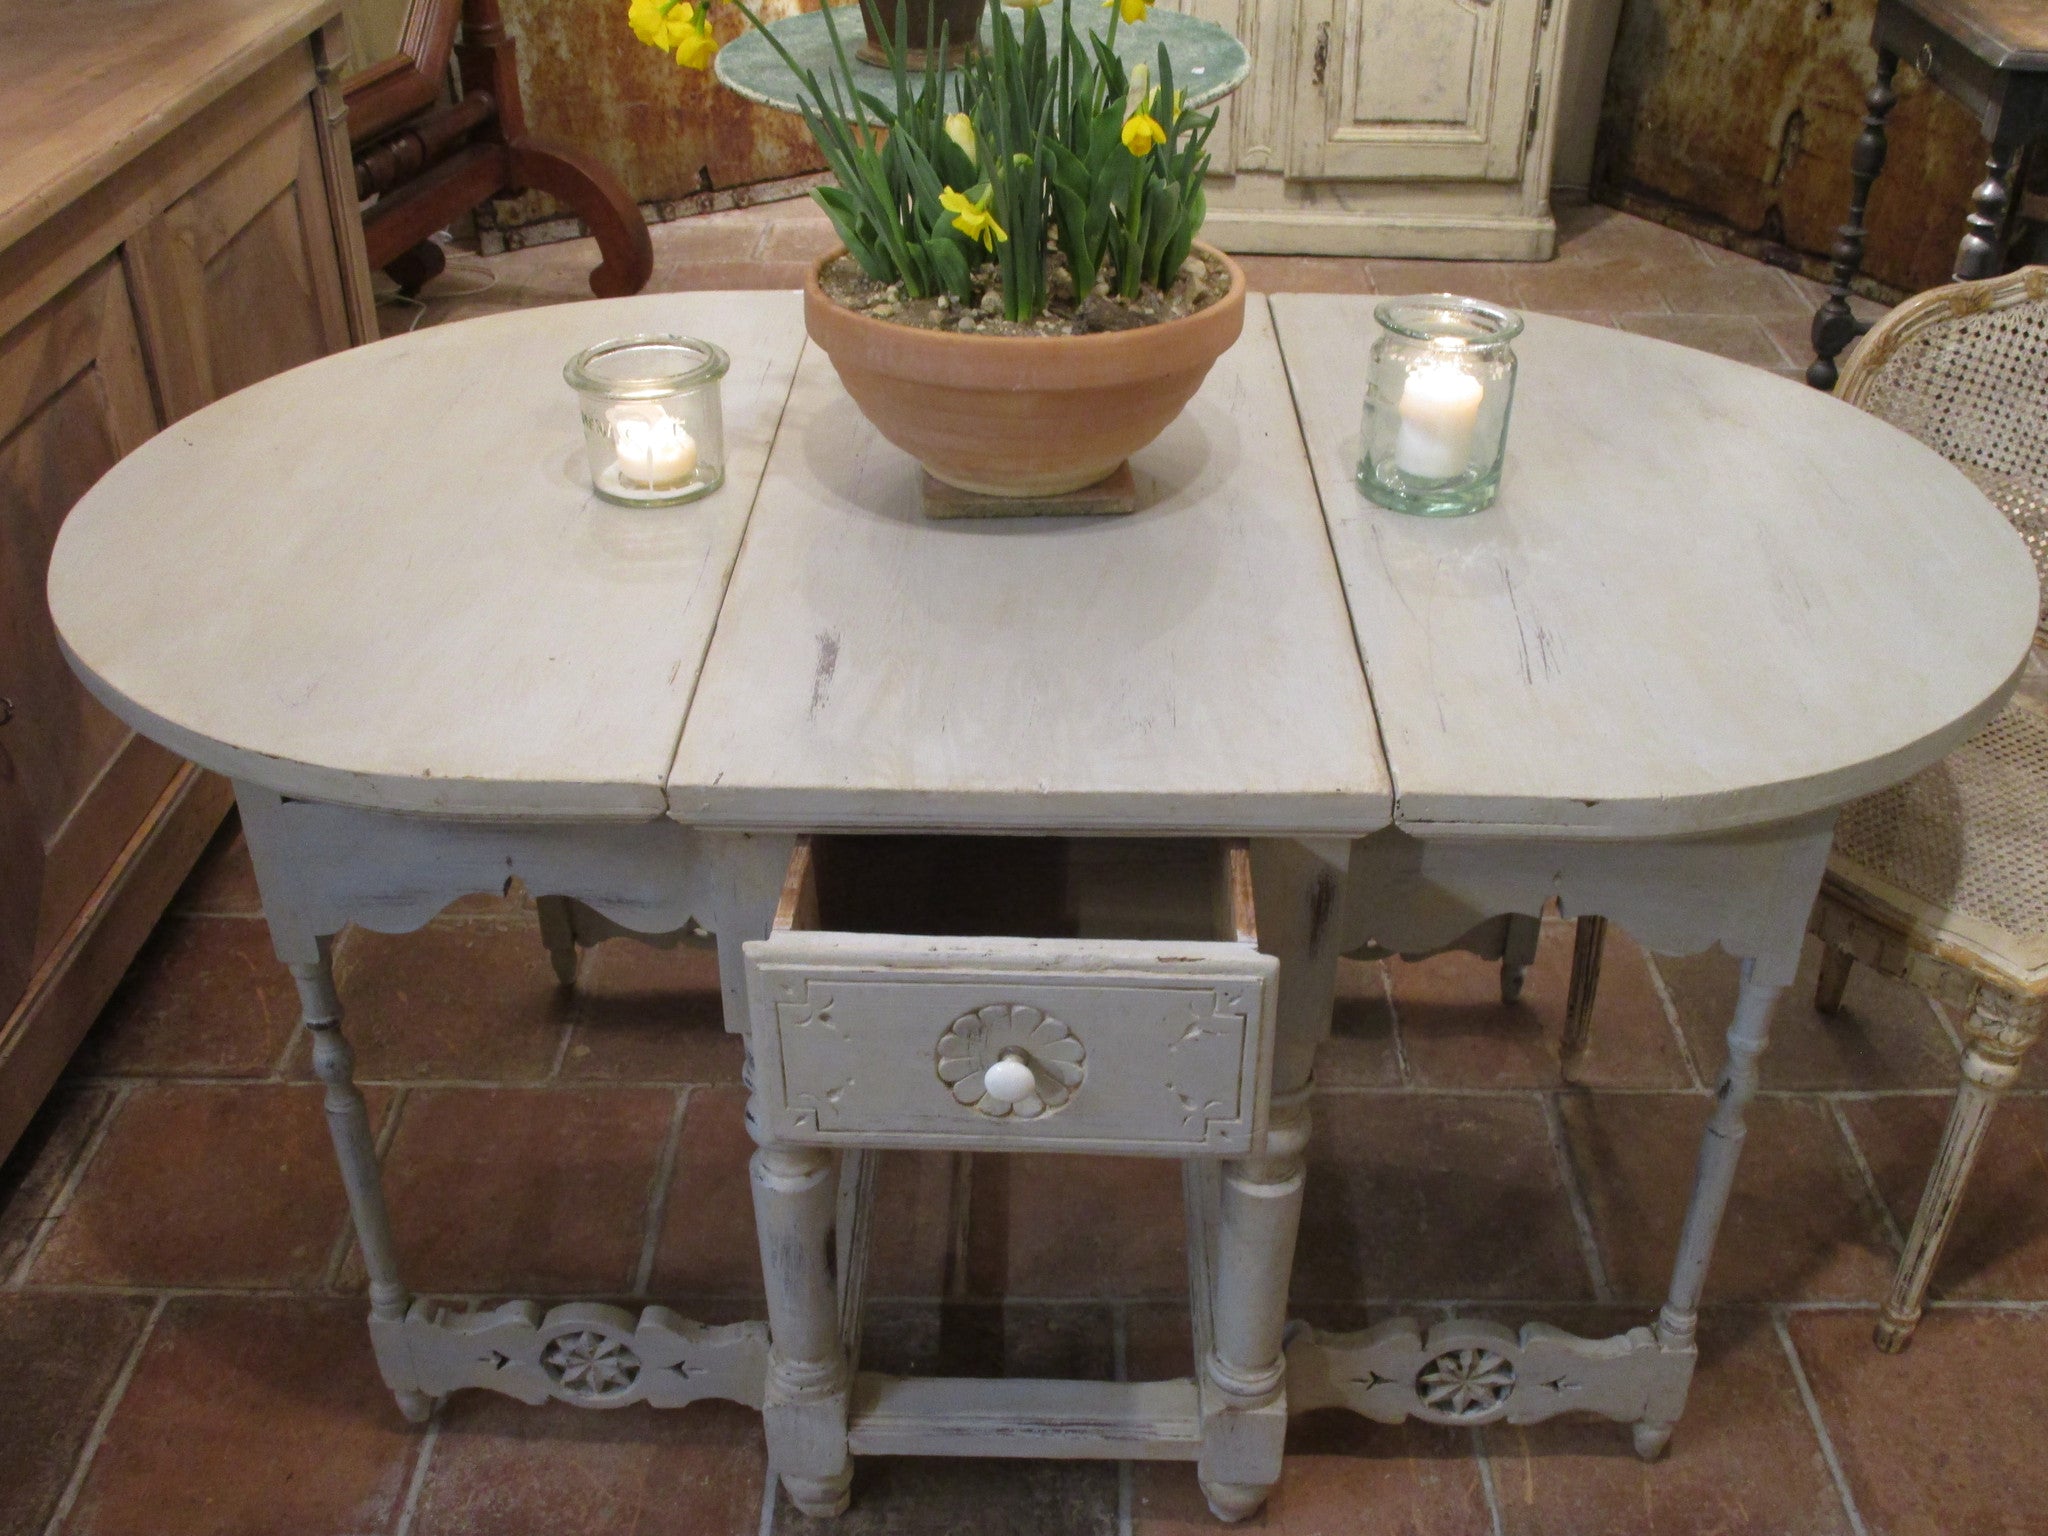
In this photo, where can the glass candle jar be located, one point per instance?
(1436, 404)
(651, 420)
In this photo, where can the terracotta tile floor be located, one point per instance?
(180, 1304)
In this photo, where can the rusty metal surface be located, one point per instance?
(668, 132)
(1744, 112)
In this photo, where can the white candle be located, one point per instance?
(1439, 409)
(655, 450)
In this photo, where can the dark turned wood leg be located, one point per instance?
(601, 201)
(1834, 327)
(417, 267)
(1982, 251)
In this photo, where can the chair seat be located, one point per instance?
(2024, 501)
(1958, 855)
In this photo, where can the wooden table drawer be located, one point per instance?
(1114, 986)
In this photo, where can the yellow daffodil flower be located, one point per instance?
(1133, 11)
(661, 23)
(960, 129)
(1142, 133)
(680, 27)
(971, 216)
(697, 49)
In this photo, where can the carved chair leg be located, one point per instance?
(1982, 250)
(558, 936)
(1835, 966)
(1589, 938)
(1834, 327)
(601, 200)
(416, 267)
(796, 1196)
(1524, 933)
(348, 1123)
(1720, 1150)
(2000, 1029)
(1258, 1216)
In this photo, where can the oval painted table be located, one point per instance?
(1710, 607)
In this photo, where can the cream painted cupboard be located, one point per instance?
(1390, 127)
(177, 220)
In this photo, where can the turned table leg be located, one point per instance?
(1257, 1203)
(1834, 327)
(1983, 244)
(558, 936)
(796, 1198)
(1258, 1216)
(2000, 1030)
(348, 1122)
(1518, 953)
(1720, 1150)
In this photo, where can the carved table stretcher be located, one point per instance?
(1709, 609)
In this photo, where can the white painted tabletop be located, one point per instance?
(382, 579)
(1186, 668)
(1706, 597)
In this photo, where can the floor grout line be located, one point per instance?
(1820, 1428)
(657, 1195)
(46, 1224)
(1670, 1007)
(1575, 1199)
(1482, 1451)
(727, 1303)
(1401, 1066)
(1120, 1370)
(493, 1084)
(668, 1085)
(416, 1485)
(76, 1482)
(1863, 1169)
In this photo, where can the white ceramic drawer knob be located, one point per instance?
(1011, 1079)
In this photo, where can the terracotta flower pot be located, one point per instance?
(1022, 415)
(924, 21)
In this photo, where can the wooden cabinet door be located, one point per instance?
(240, 278)
(1415, 89)
(74, 781)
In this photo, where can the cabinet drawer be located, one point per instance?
(1099, 995)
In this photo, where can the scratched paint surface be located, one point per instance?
(1746, 112)
(667, 132)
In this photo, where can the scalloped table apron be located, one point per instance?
(1710, 607)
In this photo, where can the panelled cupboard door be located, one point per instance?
(238, 279)
(1427, 89)
(74, 781)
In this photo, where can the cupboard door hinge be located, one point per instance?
(1535, 107)
(1322, 54)
(1543, 16)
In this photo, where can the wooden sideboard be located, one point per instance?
(177, 220)
(1390, 127)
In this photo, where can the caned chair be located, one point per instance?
(1943, 881)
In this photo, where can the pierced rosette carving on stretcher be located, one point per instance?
(976, 1041)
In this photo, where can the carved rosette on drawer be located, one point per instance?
(976, 1041)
